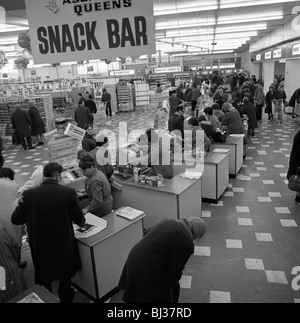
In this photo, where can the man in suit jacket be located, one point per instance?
(83, 116)
(48, 211)
(91, 104)
(176, 122)
(21, 123)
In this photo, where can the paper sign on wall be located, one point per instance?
(68, 30)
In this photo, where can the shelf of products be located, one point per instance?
(142, 97)
(42, 103)
(125, 97)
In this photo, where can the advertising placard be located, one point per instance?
(69, 30)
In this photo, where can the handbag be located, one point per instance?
(220, 136)
(294, 183)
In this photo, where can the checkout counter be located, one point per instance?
(104, 254)
(178, 198)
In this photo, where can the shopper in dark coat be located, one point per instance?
(176, 122)
(91, 104)
(249, 110)
(106, 98)
(295, 160)
(48, 211)
(154, 266)
(10, 254)
(89, 142)
(270, 96)
(83, 116)
(37, 127)
(21, 123)
(1, 156)
(232, 120)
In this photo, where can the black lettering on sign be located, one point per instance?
(90, 34)
(127, 34)
(136, 35)
(41, 33)
(55, 40)
(113, 33)
(79, 31)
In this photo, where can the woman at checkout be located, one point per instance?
(153, 155)
(97, 188)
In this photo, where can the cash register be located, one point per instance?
(63, 150)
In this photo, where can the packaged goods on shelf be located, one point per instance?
(125, 97)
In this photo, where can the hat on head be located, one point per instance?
(198, 227)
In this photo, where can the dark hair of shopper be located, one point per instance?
(52, 169)
(208, 111)
(6, 172)
(193, 122)
(179, 109)
(215, 106)
(86, 162)
(202, 118)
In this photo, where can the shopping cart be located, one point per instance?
(277, 110)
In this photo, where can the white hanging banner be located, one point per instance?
(75, 30)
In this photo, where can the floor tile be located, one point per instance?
(202, 251)
(206, 214)
(242, 209)
(254, 264)
(289, 223)
(265, 199)
(245, 222)
(264, 237)
(275, 194)
(234, 244)
(282, 210)
(229, 194)
(277, 277)
(238, 190)
(185, 282)
(254, 175)
(268, 182)
(220, 297)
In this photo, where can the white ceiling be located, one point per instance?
(187, 25)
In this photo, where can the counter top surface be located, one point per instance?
(175, 186)
(115, 223)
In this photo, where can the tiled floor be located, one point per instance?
(253, 239)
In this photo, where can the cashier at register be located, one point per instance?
(153, 155)
(97, 188)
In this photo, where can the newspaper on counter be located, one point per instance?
(92, 226)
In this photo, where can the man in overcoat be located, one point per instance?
(21, 123)
(154, 266)
(48, 211)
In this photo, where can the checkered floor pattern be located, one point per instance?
(253, 238)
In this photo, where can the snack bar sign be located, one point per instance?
(75, 30)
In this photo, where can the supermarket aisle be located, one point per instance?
(253, 239)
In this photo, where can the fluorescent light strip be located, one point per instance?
(238, 3)
(210, 37)
(176, 7)
(183, 10)
(236, 21)
(176, 25)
